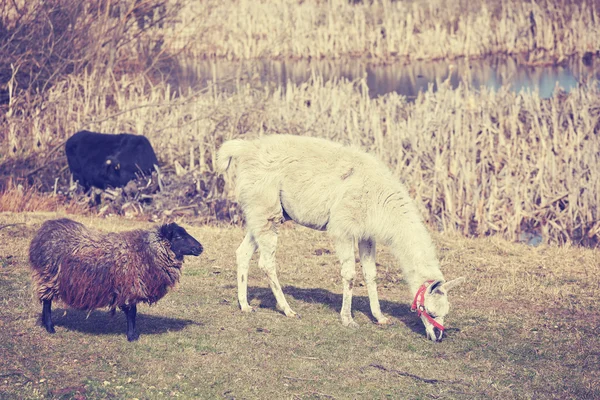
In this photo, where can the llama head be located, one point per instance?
(182, 243)
(435, 307)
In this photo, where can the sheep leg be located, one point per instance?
(345, 252)
(267, 243)
(244, 255)
(131, 312)
(47, 316)
(366, 249)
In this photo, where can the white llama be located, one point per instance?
(350, 194)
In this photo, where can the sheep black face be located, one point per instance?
(182, 243)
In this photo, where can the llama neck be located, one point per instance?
(410, 241)
(416, 253)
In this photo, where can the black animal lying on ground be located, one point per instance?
(102, 160)
(89, 269)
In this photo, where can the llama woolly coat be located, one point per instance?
(328, 186)
(343, 190)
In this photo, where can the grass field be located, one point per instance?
(524, 325)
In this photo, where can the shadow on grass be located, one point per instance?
(398, 311)
(103, 323)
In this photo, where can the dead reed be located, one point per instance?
(42, 42)
(385, 30)
(21, 199)
(479, 162)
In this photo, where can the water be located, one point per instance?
(407, 80)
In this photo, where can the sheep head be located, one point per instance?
(182, 243)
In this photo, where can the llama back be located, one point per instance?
(276, 153)
(309, 177)
(299, 167)
(233, 150)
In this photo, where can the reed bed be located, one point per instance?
(386, 30)
(478, 162)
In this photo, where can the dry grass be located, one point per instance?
(129, 34)
(41, 42)
(525, 325)
(20, 199)
(478, 162)
(387, 30)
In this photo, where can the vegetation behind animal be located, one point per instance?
(477, 162)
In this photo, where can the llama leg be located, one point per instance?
(345, 252)
(243, 255)
(366, 249)
(267, 243)
(130, 313)
(47, 316)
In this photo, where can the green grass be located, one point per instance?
(509, 335)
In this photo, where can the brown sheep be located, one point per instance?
(88, 269)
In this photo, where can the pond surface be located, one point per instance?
(407, 80)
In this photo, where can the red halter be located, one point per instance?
(419, 307)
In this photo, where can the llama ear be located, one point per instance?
(455, 282)
(435, 287)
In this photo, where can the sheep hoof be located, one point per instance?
(384, 321)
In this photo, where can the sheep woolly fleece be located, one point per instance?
(88, 269)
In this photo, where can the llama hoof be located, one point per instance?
(384, 321)
(133, 337)
(290, 313)
(350, 324)
(50, 329)
(247, 309)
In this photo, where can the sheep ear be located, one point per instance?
(455, 282)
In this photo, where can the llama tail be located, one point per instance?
(230, 150)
